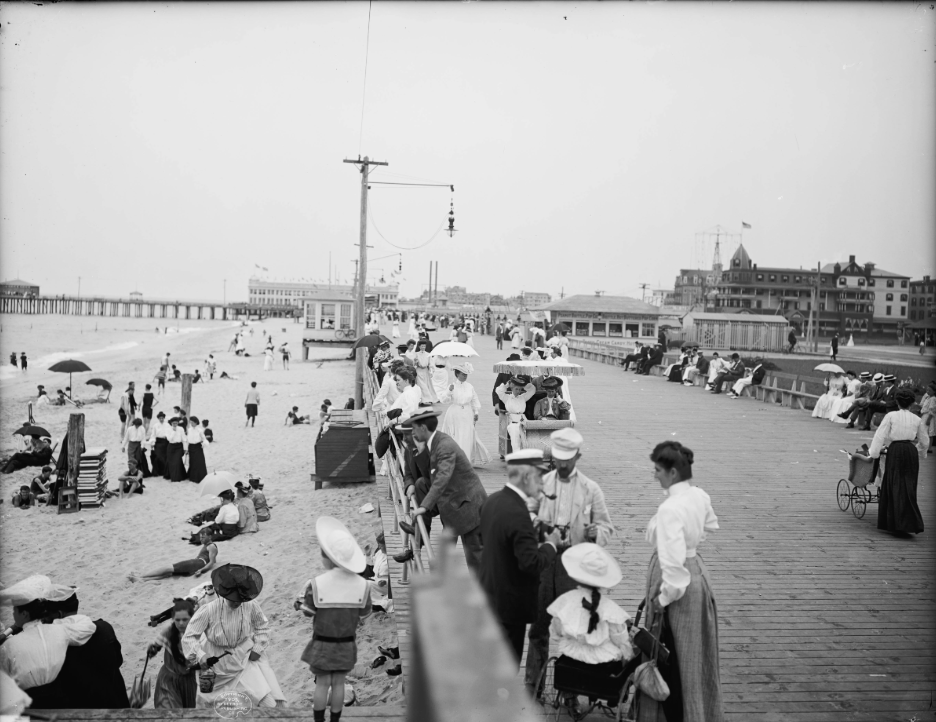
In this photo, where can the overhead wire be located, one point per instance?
(370, 217)
(364, 90)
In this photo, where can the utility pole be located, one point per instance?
(814, 308)
(225, 292)
(361, 284)
(643, 291)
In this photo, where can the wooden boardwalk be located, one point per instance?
(821, 616)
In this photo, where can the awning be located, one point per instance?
(927, 323)
(535, 316)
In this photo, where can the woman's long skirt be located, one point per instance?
(424, 382)
(196, 458)
(840, 406)
(139, 456)
(459, 424)
(159, 457)
(824, 403)
(174, 462)
(898, 509)
(693, 620)
(175, 686)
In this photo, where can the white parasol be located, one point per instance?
(216, 482)
(452, 348)
(539, 368)
(830, 368)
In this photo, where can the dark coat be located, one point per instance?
(512, 559)
(454, 487)
(501, 379)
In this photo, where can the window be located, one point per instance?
(785, 279)
(903, 310)
(797, 279)
(346, 315)
(773, 278)
(327, 316)
(598, 329)
(760, 276)
(615, 329)
(913, 315)
(903, 284)
(887, 310)
(648, 329)
(581, 328)
(310, 315)
(929, 289)
(757, 304)
(861, 282)
(870, 282)
(903, 297)
(632, 330)
(822, 279)
(913, 302)
(890, 284)
(843, 281)
(890, 297)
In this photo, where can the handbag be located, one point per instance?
(647, 676)
(648, 643)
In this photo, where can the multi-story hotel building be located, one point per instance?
(278, 293)
(922, 299)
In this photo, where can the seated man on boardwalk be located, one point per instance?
(733, 373)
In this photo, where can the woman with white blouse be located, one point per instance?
(407, 403)
(462, 415)
(176, 451)
(900, 431)
(835, 388)
(133, 443)
(514, 395)
(678, 589)
(423, 364)
(197, 470)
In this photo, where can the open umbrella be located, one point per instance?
(371, 339)
(104, 384)
(560, 327)
(216, 482)
(830, 368)
(538, 368)
(69, 366)
(30, 430)
(452, 348)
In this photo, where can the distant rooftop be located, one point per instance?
(605, 304)
(18, 282)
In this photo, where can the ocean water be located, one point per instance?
(48, 339)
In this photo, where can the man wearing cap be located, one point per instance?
(34, 657)
(575, 506)
(513, 558)
(552, 406)
(454, 489)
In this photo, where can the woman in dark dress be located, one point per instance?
(196, 451)
(903, 433)
(176, 453)
(176, 683)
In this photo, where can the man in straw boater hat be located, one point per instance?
(34, 657)
(454, 487)
(233, 631)
(338, 599)
(875, 402)
(574, 505)
(513, 558)
(861, 400)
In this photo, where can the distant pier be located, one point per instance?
(123, 307)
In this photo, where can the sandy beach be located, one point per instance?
(95, 549)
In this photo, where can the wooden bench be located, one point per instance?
(786, 390)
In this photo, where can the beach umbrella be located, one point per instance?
(452, 348)
(830, 368)
(560, 327)
(30, 430)
(140, 691)
(538, 368)
(69, 366)
(100, 382)
(216, 482)
(371, 339)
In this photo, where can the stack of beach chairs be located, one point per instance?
(92, 478)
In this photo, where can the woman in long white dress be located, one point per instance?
(462, 415)
(268, 359)
(442, 376)
(424, 373)
(844, 403)
(835, 384)
(412, 332)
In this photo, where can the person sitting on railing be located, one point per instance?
(699, 368)
(514, 396)
(552, 407)
(752, 377)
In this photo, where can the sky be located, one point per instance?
(176, 149)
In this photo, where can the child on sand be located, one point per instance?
(175, 685)
(337, 599)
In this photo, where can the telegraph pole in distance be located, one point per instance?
(364, 164)
(643, 291)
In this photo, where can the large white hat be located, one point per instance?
(38, 586)
(465, 367)
(591, 565)
(339, 545)
(565, 442)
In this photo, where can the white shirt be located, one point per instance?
(195, 435)
(676, 530)
(408, 402)
(176, 436)
(159, 430)
(387, 395)
(135, 433)
(609, 640)
(228, 514)
(463, 394)
(515, 405)
(900, 425)
(35, 656)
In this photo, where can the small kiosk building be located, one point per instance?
(735, 331)
(610, 318)
(328, 318)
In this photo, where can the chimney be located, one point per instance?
(837, 268)
(926, 279)
(851, 259)
(755, 266)
(869, 268)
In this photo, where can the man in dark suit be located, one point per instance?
(416, 481)
(454, 487)
(513, 558)
(882, 401)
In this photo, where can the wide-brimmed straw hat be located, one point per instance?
(237, 582)
(465, 367)
(591, 565)
(37, 586)
(339, 545)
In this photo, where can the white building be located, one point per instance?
(263, 292)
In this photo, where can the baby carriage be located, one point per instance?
(863, 471)
(609, 687)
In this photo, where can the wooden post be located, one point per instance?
(68, 493)
(186, 402)
(360, 357)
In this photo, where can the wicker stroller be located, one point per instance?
(863, 471)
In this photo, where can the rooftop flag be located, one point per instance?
(745, 225)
